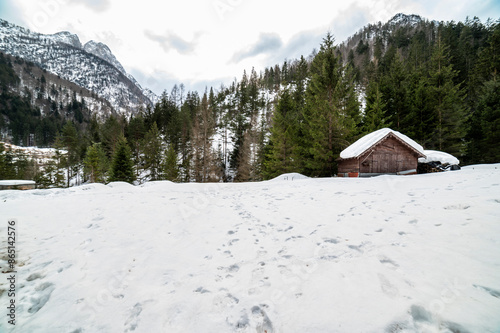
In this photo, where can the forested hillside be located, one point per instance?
(35, 104)
(433, 81)
(91, 66)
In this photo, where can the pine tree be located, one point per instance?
(70, 141)
(331, 109)
(197, 151)
(374, 116)
(186, 116)
(171, 167)
(203, 131)
(240, 126)
(420, 119)
(483, 122)
(96, 163)
(484, 132)
(243, 169)
(283, 152)
(134, 133)
(394, 89)
(152, 153)
(447, 102)
(299, 99)
(121, 166)
(111, 132)
(93, 132)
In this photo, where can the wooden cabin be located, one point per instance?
(384, 151)
(17, 184)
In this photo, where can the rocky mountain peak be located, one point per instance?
(102, 51)
(92, 66)
(67, 37)
(403, 19)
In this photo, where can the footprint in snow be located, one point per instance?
(457, 207)
(133, 320)
(491, 291)
(233, 268)
(201, 290)
(331, 240)
(388, 262)
(422, 320)
(42, 296)
(264, 324)
(232, 241)
(355, 247)
(387, 287)
(35, 276)
(224, 300)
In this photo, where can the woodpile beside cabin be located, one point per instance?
(384, 151)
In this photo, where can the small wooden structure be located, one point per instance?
(17, 184)
(384, 151)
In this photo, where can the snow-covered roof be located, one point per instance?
(16, 182)
(369, 140)
(438, 156)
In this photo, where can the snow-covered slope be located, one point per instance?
(386, 254)
(91, 66)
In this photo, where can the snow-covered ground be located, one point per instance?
(386, 254)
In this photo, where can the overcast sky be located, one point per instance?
(208, 42)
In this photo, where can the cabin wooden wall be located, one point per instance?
(350, 165)
(389, 156)
(18, 187)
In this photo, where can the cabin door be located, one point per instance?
(399, 163)
(384, 162)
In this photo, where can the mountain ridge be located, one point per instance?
(98, 69)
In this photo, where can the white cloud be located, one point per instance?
(96, 5)
(200, 42)
(171, 40)
(267, 42)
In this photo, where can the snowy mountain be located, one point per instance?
(92, 66)
(387, 254)
(102, 51)
(362, 42)
(51, 93)
(403, 19)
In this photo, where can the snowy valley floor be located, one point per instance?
(385, 254)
